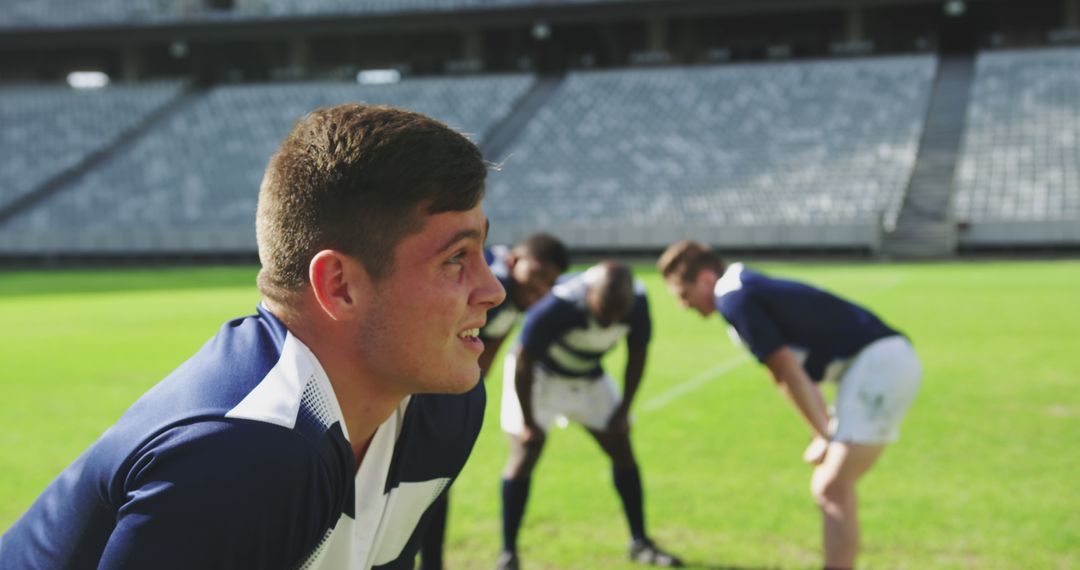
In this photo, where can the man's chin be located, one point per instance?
(461, 383)
(470, 383)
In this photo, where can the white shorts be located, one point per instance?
(875, 391)
(588, 402)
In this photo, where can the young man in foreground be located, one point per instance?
(556, 371)
(803, 336)
(317, 432)
(527, 272)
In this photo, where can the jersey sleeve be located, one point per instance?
(753, 323)
(544, 323)
(640, 323)
(222, 494)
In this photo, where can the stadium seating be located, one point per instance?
(48, 130)
(771, 155)
(190, 182)
(29, 14)
(80, 13)
(1018, 180)
(305, 7)
(779, 154)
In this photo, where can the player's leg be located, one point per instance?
(626, 476)
(517, 474)
(873, 396)
(431, 545)
(516, 481)
(833, 487)
(603, 398)
(627, 479)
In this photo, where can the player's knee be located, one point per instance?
(828, 489)
(513, 472)
(619, 449)
(522, 460)
(517, 469)
(526, 467)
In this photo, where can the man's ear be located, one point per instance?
(340, 283)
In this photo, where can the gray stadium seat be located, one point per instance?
(48, 130)
(78, 13)
(191, 182)
(1018, 178)
(819, 144)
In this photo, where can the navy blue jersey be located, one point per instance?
(821, 328)
(241, 459)
(562, 334)
(502, 317)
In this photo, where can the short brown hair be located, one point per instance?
(353, 178)
(685, 259)
(545, 248)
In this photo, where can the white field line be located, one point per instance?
(891, 283)
(694, 383)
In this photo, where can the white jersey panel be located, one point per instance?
(405, 505)
(277, 397)
(378, 533)
(595, 338)
(730, 281)
(356, 543)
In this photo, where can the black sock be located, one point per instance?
(514, 494)
(628, 484)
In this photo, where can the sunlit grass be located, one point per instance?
(983, 477)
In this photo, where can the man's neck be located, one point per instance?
(364, 406)
(364, 402)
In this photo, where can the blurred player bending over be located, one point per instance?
(527, 272)
(805, 335)
(317, 432)
(555, 371)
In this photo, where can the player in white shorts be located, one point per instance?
(804, 336)
(527, 272)
(555, 371)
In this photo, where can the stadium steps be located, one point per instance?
(924, 227)
(92, 160)
(498, 140)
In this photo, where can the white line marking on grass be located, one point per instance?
(892, 282)
(694, 383)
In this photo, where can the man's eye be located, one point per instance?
(457, 258)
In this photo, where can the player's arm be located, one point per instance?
(544, 322)
(221, 494)
(759, 332)
(635, 370)
(523, 383)
(637, 349)
(793, 381)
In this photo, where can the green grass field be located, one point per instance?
(985, 474)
